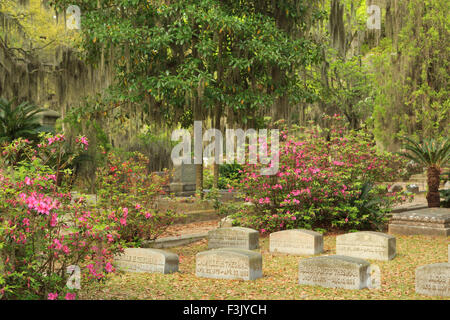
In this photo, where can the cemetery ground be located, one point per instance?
(280, 277)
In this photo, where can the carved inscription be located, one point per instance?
(297, 241)
(367, 245)
(235, 237)
(229, 263)
(433, 279)
(147, 260)
(337, 272)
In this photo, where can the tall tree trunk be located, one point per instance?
(198, 167)
(433, 197)
(217, 116)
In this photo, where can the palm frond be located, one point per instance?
(430, 152)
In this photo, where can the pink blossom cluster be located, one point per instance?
(314, 173)
(39, 202)
(83, 141)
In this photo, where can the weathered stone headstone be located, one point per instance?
(339, 272)
(367, 245)
(433, 279)
(397, 188)
(428, 221)
(183, 180)
(235, 237)
(147, 260)
(447, 185)
(298, 241)
(226, 222)
(413, 188)
(229, 263)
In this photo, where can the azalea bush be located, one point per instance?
(127, 193)
(327, 179)
(55, 151)
(42, 230)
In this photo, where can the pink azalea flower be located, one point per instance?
(27, 181)
(54, 220)
(109, 267)
(70, 296)
(110, 237)
(26, 221)
(58, 244)
(52, 296)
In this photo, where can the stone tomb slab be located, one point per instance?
(183, 180)
(229, 263)
(433, 279)
(428, 221)
(367, 245)
(147, 260)
(339, 272)
(234, 237)
(297, 241)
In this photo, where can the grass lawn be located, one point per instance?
(280, 277)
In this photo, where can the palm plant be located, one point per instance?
(18, 121)
(434, 155)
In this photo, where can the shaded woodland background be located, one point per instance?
(392, 81)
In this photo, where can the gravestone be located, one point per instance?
(47, 119)
(147, 260)
(428, 221)
(183, 180)
(433, 279)
(339, 272)
(367, 245)
(298, 241)
(226, 222)
(396, 188)
(229, 263)
(447, 185)
(234, 237)
(413, 188)
(448, 255)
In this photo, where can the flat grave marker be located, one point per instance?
(147, 260)
(433, 279)
(297, 241)
(229, 263)
(234, 237)
(339, 272)
(367, 245)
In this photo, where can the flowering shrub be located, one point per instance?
(327, 179)
(42, 231)
(127, 191)
(54, 151)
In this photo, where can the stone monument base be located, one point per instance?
(429, 221)
(182, 189)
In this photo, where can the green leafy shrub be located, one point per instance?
(18, 121)
(229, 175)
(126, 193)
